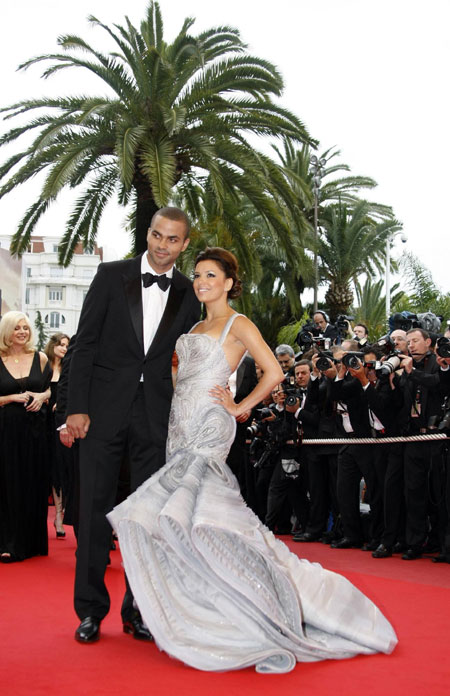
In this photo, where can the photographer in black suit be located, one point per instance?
(120, 390)
(423, 393)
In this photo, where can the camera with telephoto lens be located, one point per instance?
(259, 427)
(392, 361)
(443, 347)
(268, 444)
(352, 359)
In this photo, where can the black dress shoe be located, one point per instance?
(382, 551)
(399, 547)
(370, 545)
(137, 628)
(89, 630)
(412, 554)
(442, 558)
(346, 543)
(306, 536)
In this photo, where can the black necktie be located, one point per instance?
(162, 280)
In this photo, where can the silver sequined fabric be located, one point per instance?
(216, 588)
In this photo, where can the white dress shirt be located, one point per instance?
(154, 302)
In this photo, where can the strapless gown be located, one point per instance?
(216, 588)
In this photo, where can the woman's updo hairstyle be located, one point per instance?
(229, 265)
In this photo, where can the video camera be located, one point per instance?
(309, 336)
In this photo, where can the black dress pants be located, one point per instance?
(322, 473)
(424, 485)
(100, 464)
(356, 462)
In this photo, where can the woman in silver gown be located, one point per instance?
(216, 588)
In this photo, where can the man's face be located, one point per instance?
(418, 346)
(398, 338)
(320, 321)
(165, 241)
(302, 375)
(360, 331)
(285, 361)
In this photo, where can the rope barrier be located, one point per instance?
(374, 440)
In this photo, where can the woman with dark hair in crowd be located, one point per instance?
(216, 588)
(55, 350)
(24, 389)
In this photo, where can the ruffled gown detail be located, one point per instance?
(216, 588)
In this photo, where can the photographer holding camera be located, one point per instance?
(321, 459)
(423, 392)
(288, 483)
(356, 461)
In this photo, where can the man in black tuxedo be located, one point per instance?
(120, 390)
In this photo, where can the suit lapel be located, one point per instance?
(176, 294)
(133, 291)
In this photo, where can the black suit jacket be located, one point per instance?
(108, 359)
(350, 392)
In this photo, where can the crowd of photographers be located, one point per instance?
(381, 496)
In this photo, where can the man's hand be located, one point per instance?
(406, 363)
(78, 425)
(359, 373)
(65, 438)
(443, 362)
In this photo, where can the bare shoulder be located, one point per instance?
(244, 330)
(43, 359)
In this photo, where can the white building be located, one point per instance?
(57, 293)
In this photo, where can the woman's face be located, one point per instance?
(210, 281)
(61, 348)
(20, 335)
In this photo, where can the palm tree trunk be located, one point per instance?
(145, 209)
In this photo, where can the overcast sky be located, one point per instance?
(368, 77)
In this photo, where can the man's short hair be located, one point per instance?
(303, 361)
(176, 214)
(375, 349)
(364, 327)
(423, 333)
(284, 349)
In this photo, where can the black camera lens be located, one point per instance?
(323, 364)
(352, 360)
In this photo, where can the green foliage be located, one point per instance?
(288, 334)
(371, 309)
(40, 331)
(166, 114)
(422, 294)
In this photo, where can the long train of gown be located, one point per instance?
(216, 588)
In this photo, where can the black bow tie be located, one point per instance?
(162, 280)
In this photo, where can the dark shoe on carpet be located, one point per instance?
(306, 536)
(8, 558)
(431, 547)
(346, 543)
(137, 629)
(89, 630)
(412, 554)
(382, 551)
(399, 547)
(442, 558)
(370, 545)
(328, 537)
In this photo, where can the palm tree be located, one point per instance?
(371, 309)
(173, 109)
(352, 243)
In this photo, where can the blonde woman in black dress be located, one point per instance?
(24, 389)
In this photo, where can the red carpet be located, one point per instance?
(39, 655)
